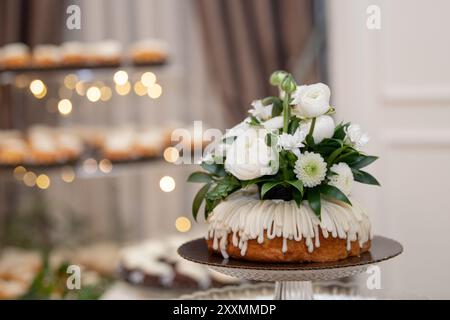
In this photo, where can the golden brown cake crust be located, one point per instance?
(331, 249)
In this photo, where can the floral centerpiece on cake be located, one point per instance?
(288, 149)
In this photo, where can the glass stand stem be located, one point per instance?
(293, 290)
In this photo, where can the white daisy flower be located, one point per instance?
(355, 136)
(311, 169)
(261, 111)
(343, 179)
(292, 142)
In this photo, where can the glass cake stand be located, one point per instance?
(292, 280)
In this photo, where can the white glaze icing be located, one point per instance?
(247, 217)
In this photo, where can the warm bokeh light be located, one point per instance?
(120, 77)
(155, 91)
(90, 165)
(70, 81)
(21, 81)
(19, 172)
(140, 89)
(106, 93)
(37, 87)
(148, 79)
(81, 88)
(93, 94)
(68, 174)
(171, 154)
(167, 184)
(65, 107)
(183, 224)
(105, 166)
(123, 89)
(42, 94)
(65, 93)
(43, 182)
(29, 179)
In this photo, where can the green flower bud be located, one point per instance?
(277, 77)
(288, 84)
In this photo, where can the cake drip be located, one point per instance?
(247, 217)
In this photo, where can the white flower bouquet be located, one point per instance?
(289, 148)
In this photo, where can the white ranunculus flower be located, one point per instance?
(311, 101)
(261, 111)
(249, 156)
(274, 123)
(292, 142)
(238, 129)
(324, 128)
(343, 179)
(311, 169)
(355, 136)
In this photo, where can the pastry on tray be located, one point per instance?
(155, 263)
(74, 53)
(108, 52)
(15, 55)
(46, 55)
(13, 149)
(149, 51)
(278, 185)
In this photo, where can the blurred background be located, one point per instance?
(88, 174)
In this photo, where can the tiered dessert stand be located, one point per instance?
(293, 281)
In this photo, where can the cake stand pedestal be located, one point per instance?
(292, 280)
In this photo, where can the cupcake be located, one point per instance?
(149, 51)
(105, 52)
(150, 142)
(46, 55)
(44, 147)
(118, 145)
(13, 151)
(15, 55)
(73, 53)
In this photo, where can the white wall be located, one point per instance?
(395, 82)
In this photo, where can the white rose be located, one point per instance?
(249, 157)
(311, 101)
(343, 179)
(324, 128)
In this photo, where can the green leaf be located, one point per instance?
(348, 157)
(271, 139)
(246, 183)
(199, 177)
(334, 155)
(267, 186)
(335, 193)
(214, 168)
(314, 201)
(229, 140)
(309, 140)
(209, 206)
(339, 131)
(362, 161)
(298, 197)
(364, 177)
(293, 125)
(199, 197)
(254, 121)
(297, 184)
